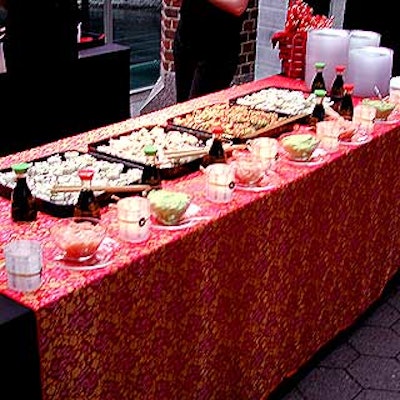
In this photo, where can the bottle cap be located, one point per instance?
(86, 174)
(319, 64)
(150, 150)
(348, 87)
(320, 92)
(340, 68)
(20, 168)
(217, 130)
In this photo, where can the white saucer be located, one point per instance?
(263, 186)
(183, 224)
(101, 259)
(318, 157)
(356, 140)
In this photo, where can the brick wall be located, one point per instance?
(169, 20)
(271, 19)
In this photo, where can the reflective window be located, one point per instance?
(138, 27)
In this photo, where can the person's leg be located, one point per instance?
(185, 65)
(213, 75)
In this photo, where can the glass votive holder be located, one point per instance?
(134, 219)
(363, 112)
(265, 149)
(220, 182)
(394, 90)
(327, 132)
(23, 262)
(364, 117)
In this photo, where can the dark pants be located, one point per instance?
(201, 72)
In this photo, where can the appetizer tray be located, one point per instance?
(62, 169)
(239, 121)
(283, 101)
(268, 112)
(128, 148)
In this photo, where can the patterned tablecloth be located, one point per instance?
(227, 308)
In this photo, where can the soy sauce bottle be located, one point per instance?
(318, 81)
(216, 154)
(337, 89)
(318, 113)
(151, 174)
(23, 203)
(346, 108)
(87, 204)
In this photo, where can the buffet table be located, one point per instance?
(228, 308)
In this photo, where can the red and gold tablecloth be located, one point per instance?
(228, 308)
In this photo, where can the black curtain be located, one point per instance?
(41, 52)
(320, 7)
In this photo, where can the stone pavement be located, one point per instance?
(363, 363)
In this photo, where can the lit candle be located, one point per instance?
(369, 67)
(133, 219)
(330, 46)
(220, 183)
(360, 38)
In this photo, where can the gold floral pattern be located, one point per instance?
(228, 308)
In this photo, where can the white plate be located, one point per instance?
(393, 120)
(101, 259)
(263, 186)
(318, 157)
(183, 224)
(356, 140)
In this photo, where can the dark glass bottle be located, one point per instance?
(346, 108)
(318, 113)
(87, 204)
(337, 89)
(23, 203)
(216, 154)
(318, 81)
(151, 174)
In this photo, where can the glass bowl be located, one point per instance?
(78, 237)
(383, 107)
(299, 146)
(168, 206)
(248, 168)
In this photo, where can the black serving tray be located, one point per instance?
(179, 169)
(58, 208)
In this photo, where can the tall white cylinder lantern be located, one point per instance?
(330, 46)
(368, 67)
(360, 38)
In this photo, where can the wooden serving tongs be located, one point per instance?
(200, 152)
(135, 188)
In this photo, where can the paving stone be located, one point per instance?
(385, 315)
(294, 395)
(376, 373)
(394, 299)
(378, 395)
(340, 357)
(329, 384)
(396, 328)
(375, 341)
